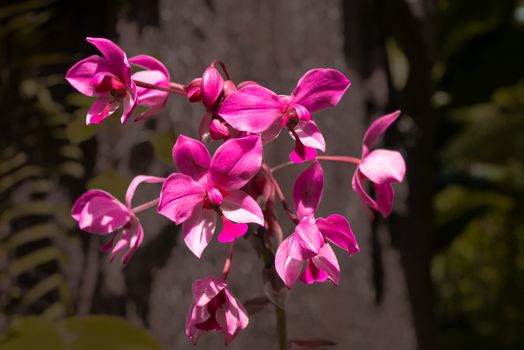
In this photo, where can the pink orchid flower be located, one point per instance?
(154, 73)
(107, 78)
(100, 213)
(308, 241)
(381, 167)
(206, 187)
(214, 309)
(256, 109)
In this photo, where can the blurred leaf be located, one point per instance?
(112, 182)
(162, 145)
(77, 131)
(77, 333)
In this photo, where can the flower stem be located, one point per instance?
(339, 159)
(227, 263)
(221, 64)
(281, 328)
(280, 195)
(145, 206)
(174, 87)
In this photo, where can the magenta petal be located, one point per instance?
(100, 110)
(180, 197)
(196, 315)
(137, 181)
(235, 162)
(306, 241)
(231, 231)
(206, 289)
(232, 317)
(199, 229)
(239, 207)
(302, 153)
(191, 157)
(320, 88)
(310, 135)
(253, 109)
(204, 131)
(358, 187)
(336, 228)
(307, 189)
(313, 274)
(384, 198)
(130, 103)
(212, 84)
(150, 63)
(151, 97)
(100, 213)
(376, 129)
(80, 75)
(136, 236)
(326, 261)
(287, 268)
(383, 166)
(82, 201)
(115, 56)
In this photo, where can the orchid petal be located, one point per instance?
(80, 75)
(100, 213)
(180, 197)
(231, 231)
(206, 289)
(239, 207)
(384, 198)
(320, 88)
(198, 230)
(383, 166)
(313, 274)
(336, 228)
(358, 187)
(100, 110)
(151, 97)
(212, 84)
(376, 129)
(253, 109)
(114, 55)
(137, 181)
(130, 103)
(302, 153)
(235, 162)
(308, 189)
(150, 63)
(326, 260)
(287, 268)
(306, 241)
(310, 135)
(136, 235)
(232, 317)
(191, 157)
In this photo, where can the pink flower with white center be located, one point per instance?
(107, 78)
(214, 309)
(100, 213)
(256, 109)
(154, 73)
(382, 167)
(308, 242)
(205, 187)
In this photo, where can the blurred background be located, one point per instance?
(445, 271)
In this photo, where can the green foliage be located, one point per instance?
(478, 267)
(77, 333)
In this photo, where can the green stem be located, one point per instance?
(281, 328)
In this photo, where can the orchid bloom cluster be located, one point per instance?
(234, 187)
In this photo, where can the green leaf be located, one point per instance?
(163, 144)
(77, 131)
(110, 181)
(32, 333)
